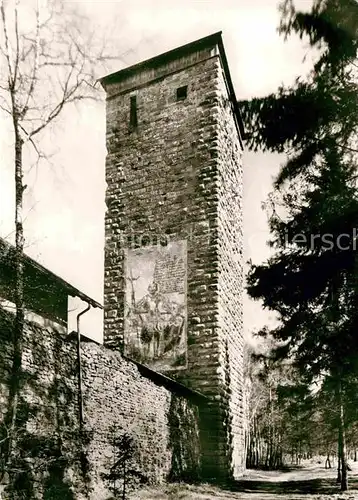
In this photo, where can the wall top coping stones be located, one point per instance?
(169, 383)
(83, 338)
(174, 60)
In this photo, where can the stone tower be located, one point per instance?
(173, 254)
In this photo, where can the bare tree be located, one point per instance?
(47, 58)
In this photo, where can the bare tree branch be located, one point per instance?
(17, 41)
(6, 110)
(347, 148)
(68, 97)
(7, 44)
(36, 47)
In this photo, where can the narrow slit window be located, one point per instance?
(182, 93)
(133, 118)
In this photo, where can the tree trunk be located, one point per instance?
(124, 480)
(16, 376)
(342, 443)
(339, 475)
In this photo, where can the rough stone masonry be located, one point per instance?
(55, 457)
(174, 180)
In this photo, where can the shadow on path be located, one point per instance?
(322, 486)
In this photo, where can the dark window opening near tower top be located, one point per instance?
(133, 118)
(182, 93)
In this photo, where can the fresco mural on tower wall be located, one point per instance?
(155, 316)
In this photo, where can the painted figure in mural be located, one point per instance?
(154, 310)
(174, 329)
(159, 323)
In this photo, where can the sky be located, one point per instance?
(64, 201)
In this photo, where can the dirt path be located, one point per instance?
(311, 482)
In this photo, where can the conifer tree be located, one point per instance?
(311, 281)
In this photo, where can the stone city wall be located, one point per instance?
(120, 399)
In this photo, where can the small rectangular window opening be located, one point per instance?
(133, 119)
(182, 93)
